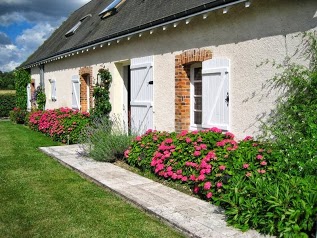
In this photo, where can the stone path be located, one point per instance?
(194, 217)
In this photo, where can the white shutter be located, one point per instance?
(28, 93)
(53, 90)
(141, 94)
(215, 84)
(76, 92)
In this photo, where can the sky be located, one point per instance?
(26, 24)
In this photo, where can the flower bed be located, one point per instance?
(247, 178)
(62, 124)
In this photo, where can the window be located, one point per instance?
(74, 28)
(53, 89)
(209, 90)
(196, 95)
(111, 8)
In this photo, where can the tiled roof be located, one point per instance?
(132, 16)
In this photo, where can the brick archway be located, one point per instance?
(182, 84)
(86, 96)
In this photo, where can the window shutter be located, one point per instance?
(28, 92)
(53, 90)
(142, 94)
(76, 92)
(215, 84)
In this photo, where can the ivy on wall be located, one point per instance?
(22, 79)
(102, 94)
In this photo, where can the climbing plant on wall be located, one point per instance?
(22, 79)
(102, 94)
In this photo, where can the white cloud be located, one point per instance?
(12, 56)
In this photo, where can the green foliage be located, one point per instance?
(22, 79)
(63, 125)
(18, 115)
(105, 140)
(293, 124)
(247, 178)
(7, 80)
(40, 97)
(7, 103)
(102, 95)
(281, 205)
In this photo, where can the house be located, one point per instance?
(176, 65)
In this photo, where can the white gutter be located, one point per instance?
(129, 35)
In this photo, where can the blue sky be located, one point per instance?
(26, 24)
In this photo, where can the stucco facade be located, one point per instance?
(245, 36)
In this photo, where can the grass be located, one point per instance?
(41, 198)
(3, 92)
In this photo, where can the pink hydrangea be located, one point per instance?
(184, 179)
(222, 167)
(263, 163)
(207, 185)
(229, 135)
(201, 177)
(169, 141)
(259, 157)
(245, 166)
(192, 177)
(219, 184)
(183, 133)
(248, 174)
(188, 140)
(126, 153)
(247, 138)
(138, 138)
(216, 130)
(203, 146)
(197, 153)
(209, 195)
(196, 189)
(261, 171)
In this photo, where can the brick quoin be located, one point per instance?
(84, 72)
(182, 84)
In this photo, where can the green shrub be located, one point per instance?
(106, 140)
(240, 176)
(64, 124)
(18, 115)
(22, 79)
(7, 103)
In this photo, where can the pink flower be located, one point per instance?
(195, 132)
(247, 138)
(126, 153)
(188, 140)
(263, 163)
(199, 139)
(183, 133)
(196, 189)
(208, 171)
(203, 146)
(207, 185)
(197, 153)
(245, 166)
(197, 148)
(192, 177)
(138, 138)
(261, 171)
(254, 144)
(169, 141)
(174, 176)
(248, 174)
(259, 157)
(216, 130)
(169, 168)
(222, 167)
(209, 195)
(229, 135)
(261, 150)
(219, 184)
(201, 177)
(179, 171)
(184, 179)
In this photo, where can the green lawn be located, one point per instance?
(41, 198)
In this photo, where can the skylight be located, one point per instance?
(74, 28)
(112, 6)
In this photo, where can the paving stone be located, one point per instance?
(195, 217)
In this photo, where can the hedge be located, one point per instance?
(7, 103)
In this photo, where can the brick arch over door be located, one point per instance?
(85, 73)
(182, 84)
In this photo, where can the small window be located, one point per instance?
(111, 8)
(53, 89)
(74, 28)
(196, 96)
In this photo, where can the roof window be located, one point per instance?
(111, 8)
(74, 28)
